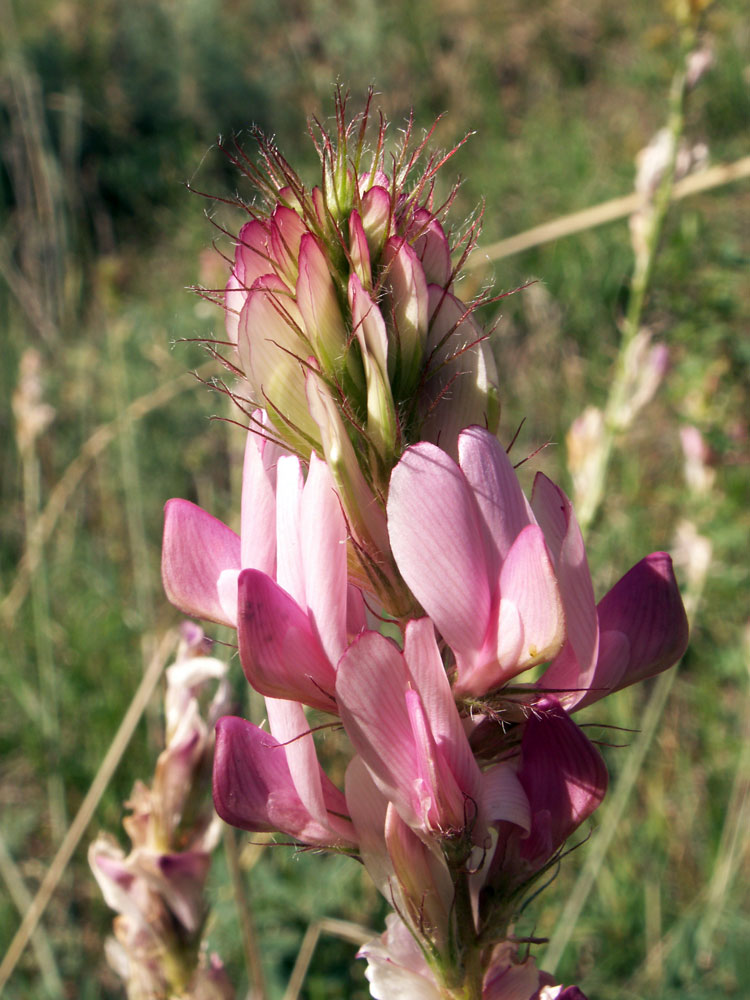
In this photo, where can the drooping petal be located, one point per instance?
(435, 534)
(196, 548)
(563, 775)
(253, 786)
(280, 652)
(643, 609)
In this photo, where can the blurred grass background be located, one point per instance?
(106, 108)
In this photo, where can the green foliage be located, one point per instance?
(98, 243)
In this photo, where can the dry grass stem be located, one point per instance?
(83, 816)
(607, 211)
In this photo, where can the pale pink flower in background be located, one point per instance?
(157, 889)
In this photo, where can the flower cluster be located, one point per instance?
(375, 490)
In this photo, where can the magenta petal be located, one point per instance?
(253, 786)
(197, 547)
(644, 608)
(563, 775)
(435, 534)
(280, 652)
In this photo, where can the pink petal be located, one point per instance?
(289, 569)
(436, 538)
(288, 724)
(528, 581)
(371, 679)
(504, 508)
(323, 540)
(557, 520)
(258, 518)
(226, 588)
(359, 250)
(368, 324)
(431, 681)
(287, 229)
(503, 797)
(196, 548)
(272, 352)
(426, 235)
(376, 218)
(280, 652)
(405, 281)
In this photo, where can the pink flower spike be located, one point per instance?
(280, 653)
(254, 788)
(196, 549)
(563, 775)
